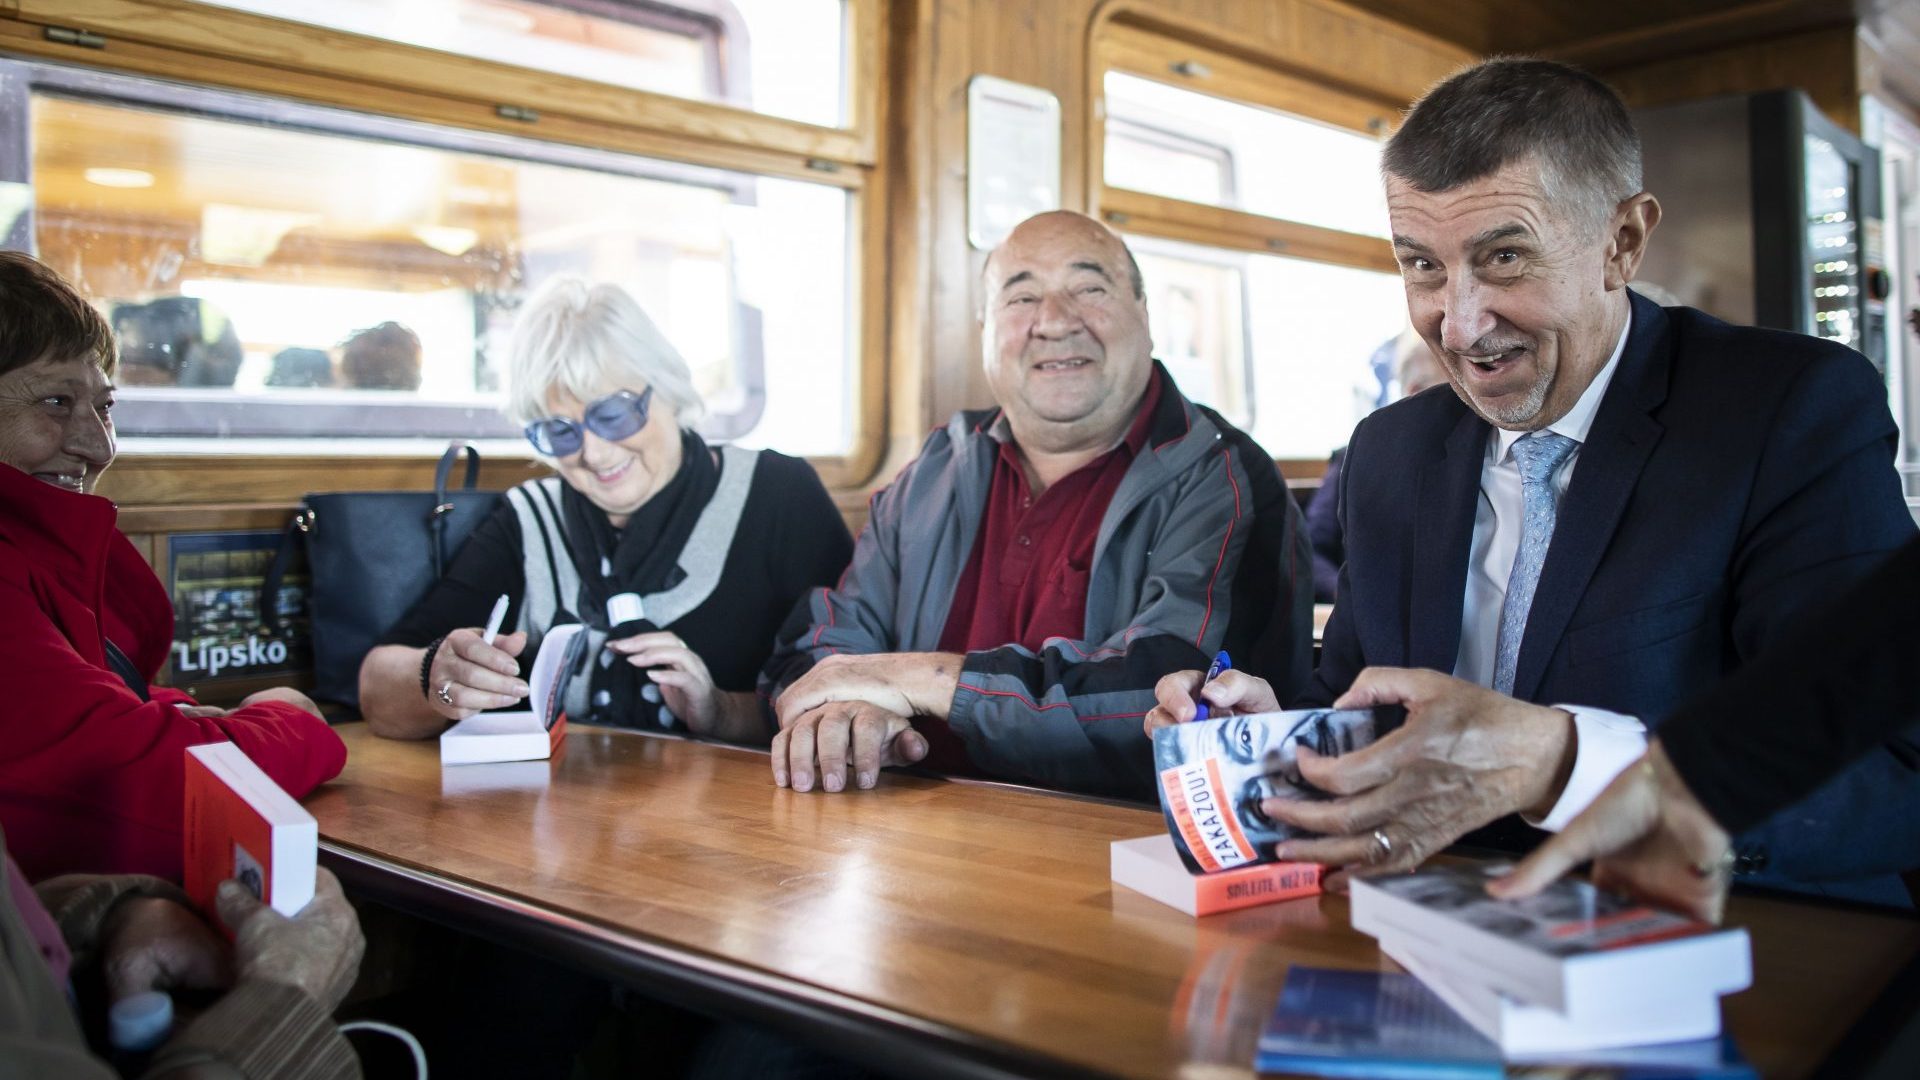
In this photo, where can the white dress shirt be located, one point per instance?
(1605, 742)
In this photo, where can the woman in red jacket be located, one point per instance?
(91, 757)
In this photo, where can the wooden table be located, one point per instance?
(928, 926)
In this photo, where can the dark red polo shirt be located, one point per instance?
(1026, 580)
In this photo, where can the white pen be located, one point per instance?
(494, 620)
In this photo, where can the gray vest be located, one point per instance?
(552, 582)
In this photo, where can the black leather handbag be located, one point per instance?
(372, 556)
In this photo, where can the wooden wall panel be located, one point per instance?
(1822, 62)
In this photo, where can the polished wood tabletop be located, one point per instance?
(932, 926)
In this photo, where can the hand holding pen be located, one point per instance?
(1186, 696)
(475, 670)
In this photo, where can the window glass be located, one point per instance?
(1146, 158)
(1196, 305)
(1277, 165)
(780, 57)
(1326, 340)
(287, 270)
(1294, 352)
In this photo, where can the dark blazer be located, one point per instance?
(1843, 682)
(1732, 477)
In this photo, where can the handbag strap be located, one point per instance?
(124, 668)
(277, 570)
(442, 506)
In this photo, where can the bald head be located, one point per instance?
(1066, 344)
(1052, 223)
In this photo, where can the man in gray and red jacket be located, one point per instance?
(1025, 581)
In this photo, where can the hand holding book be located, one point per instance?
(1465, 757)
(317, 950)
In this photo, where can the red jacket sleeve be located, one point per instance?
(91, 777)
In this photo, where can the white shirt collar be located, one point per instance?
(1579, 419)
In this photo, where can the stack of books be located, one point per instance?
(1571, 969)
(1572, 982)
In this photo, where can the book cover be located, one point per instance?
(1387, 1025)
(1149, 865)
(1213, 774)
(526, 734)
(240, 824)
(1572, 947)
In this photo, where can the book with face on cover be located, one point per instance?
(1388, 1026)
(527, 734)
(1572, 948)
(240, 824)
(1213, 774)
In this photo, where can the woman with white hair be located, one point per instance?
(664, 547)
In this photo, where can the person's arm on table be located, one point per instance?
(1840, 686)
(96, 747)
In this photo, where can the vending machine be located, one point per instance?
(1771, 216)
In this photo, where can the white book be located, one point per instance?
(1522, 1030)
(1571, 948)
(1151, 865)
(240, 824)
(529, 734)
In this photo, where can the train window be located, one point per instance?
(1276, 164)
(1254, 199)
(277, 270)
(699, 49)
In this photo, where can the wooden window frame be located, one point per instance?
(1156, 54)
(229, 49)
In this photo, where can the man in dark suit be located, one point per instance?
(1613, 506)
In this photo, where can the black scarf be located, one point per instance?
(643, 558)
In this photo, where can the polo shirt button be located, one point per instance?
(1024, 540)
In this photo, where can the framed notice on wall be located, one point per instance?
(218, 633)
(1013, 157)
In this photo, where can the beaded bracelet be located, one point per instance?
(426, 666)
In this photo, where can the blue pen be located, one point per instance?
(1221, 662)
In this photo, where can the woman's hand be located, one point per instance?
(685, 684)
(468, 675)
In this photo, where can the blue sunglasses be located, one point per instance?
(619, 415)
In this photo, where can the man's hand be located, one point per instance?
(1649, 838)
(317, 951)
(1232, 693)
(905, 684)
(149, 943)
(1466, 756)
(839, 734)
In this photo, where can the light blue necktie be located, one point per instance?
(1539, 455)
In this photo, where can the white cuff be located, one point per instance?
(1604, 744)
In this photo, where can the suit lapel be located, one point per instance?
(1443, 543)
(1623, 437)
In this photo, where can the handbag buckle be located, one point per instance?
(442, 510)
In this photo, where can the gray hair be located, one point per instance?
(1506, 110)
(587, 340)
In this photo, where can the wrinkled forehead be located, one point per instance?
(74, 375)
(1055, 251)
(1509, 202)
